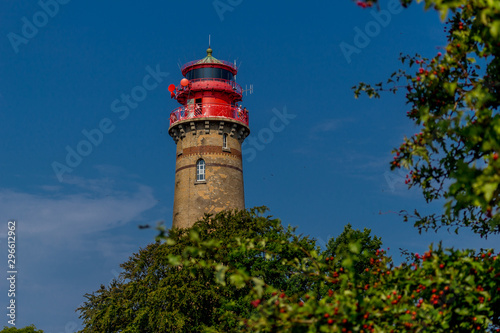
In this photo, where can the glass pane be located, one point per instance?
(200, 170)
(209, 73)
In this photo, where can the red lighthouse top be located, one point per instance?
(208, 89)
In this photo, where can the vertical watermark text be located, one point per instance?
(11, 272)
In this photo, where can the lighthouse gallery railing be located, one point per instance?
(207, 111)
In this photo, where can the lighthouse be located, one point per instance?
(208, 128)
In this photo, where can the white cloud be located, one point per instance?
(96, 206)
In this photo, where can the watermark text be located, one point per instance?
(277, 124)
(11, 272)
(372, 29)
(95, 136)
(30, 27)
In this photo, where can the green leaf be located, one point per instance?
(220, 274)
(174, 260)
(355, 248)
(237, 280)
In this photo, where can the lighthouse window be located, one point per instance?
(224, 141)
(209, 73)
(212, 72)
(200, 170)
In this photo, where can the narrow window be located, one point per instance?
(200, 171)
(224, 141)
(197, 107)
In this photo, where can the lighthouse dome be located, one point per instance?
(209, 59)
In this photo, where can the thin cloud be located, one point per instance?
(97, 207)
(329, 125)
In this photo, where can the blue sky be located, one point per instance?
(328, 165)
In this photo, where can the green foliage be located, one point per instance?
(199, 278)
(27, 329)
(319, 272)
(242, 272)
(352, 286)
(355, 241)
(441, 291)
(453, 97)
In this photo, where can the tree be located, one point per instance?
(202, 279)
(162, 289)
(241, 272)
(27, 329)
(441, 291)
(444, 290)
(341, 247)
(454, 98)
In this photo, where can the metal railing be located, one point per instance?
(209, 110)
(221, 62)
(235, 86)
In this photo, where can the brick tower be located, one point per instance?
(209, 129)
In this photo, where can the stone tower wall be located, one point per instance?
(202, 138)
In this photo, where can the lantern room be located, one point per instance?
(208, 89)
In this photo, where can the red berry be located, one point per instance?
(255, 303)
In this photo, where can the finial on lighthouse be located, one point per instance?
(209, 50)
